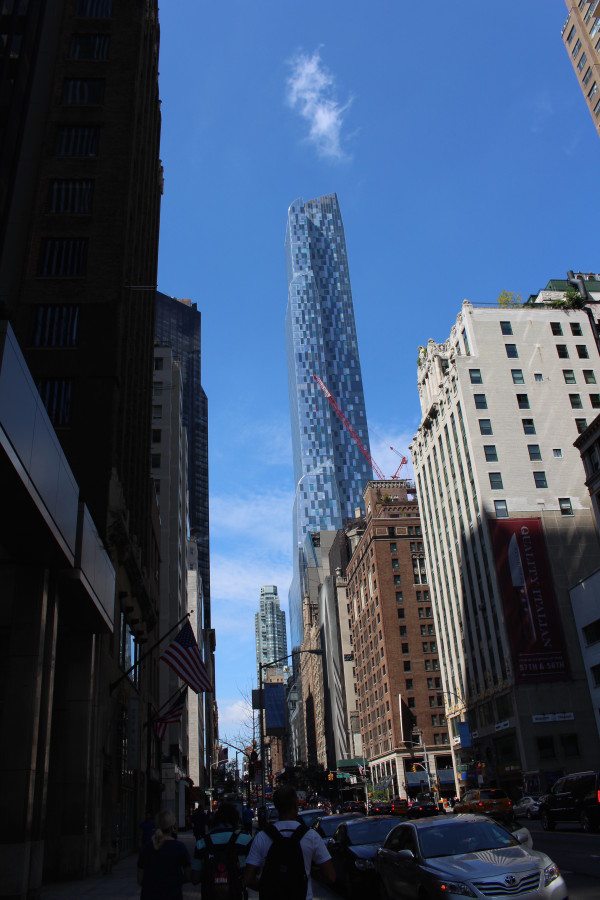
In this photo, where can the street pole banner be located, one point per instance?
(531, 612)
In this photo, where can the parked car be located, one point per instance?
(380, 808)
(463, 856)
(399, 806)
(528, 806)
(574, 798)
(485, 800)
(326, 826)
(310, 816)
(423, 805)
(353, 850)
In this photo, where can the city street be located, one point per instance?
(577, 855)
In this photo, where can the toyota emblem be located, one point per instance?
(510, 880)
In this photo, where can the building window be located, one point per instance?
(411, 703)
(495, 481)
(511, 351)
(597, 106)
(156, 435)
(56, 326)
(576, 47)
(569, 376)
(89, 47)
(571, 34)
(400, 613)
(393, 548)
(581, 425)
(537, 376)
(582, 62)
(540, 479)
(395, 564)
(501, 509)
(491, 454)
(523, 401)
(399, 597)
(405, 648)
(63, 258)
(595, 672)
(77, 141)
(595, 400)
(591, 632)
(534, 451)
(582, 351)
(575, 400)
(517, 376)
(83, 91)
(71, 196)
(556, 328)
(480, 401)
(485, 426)
(94, 9)
(557, 453)
(506, 327)
(563, 351)
(528, 426)
(409, 684)
(155, 460)
(397, 579)
(407, 665)
(545, 747)
(56, 395)
(157, 411)
(586, 81)
(589, 376)
(466, 342)
(570, 745)
(475, 375)
(593, 91)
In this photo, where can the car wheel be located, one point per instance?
(548, 824)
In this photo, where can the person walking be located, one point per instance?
(282, 856)
(164, 864)
(220, 855)
(199, 822)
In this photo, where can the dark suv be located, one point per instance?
(574, 798)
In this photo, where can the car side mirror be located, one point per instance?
(405, 855)
(521, 836)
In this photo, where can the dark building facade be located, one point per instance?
(178, 326)
(81, 181)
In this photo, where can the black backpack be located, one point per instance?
(221, 874)
(284, 873)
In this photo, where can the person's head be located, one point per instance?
(165, 826)
(286, 802)
(228, 815)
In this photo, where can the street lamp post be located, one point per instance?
(261, 694)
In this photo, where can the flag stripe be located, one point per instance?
(172, 715)
(183, 656)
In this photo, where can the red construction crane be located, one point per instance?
(403, 462)
(332, 402)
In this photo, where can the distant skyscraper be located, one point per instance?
(330, 473)
(271, 637)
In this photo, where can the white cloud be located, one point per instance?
(235, 722)
(261, 519)
(311, 92)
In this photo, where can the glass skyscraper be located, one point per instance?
(269, 626)
(329, 470)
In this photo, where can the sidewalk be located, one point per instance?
(121, 884)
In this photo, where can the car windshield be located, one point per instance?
(329, 824)
(366, 832)
(309, 818)
(463, 837)
(492, 795)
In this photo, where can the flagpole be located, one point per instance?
(173, 697)
(116, 683)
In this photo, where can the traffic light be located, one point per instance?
(331, 776)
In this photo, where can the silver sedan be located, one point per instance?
(463, 856)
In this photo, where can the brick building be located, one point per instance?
(397, 671)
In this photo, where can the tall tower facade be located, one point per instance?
(269, 624)
(581, 37)
(329, 471)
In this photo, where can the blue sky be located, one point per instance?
(463, 155)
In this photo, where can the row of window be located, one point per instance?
(564, 503)
(518, 377)
(485, 428)
(512, 351)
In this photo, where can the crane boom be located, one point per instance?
(333, 404)
(403, 462)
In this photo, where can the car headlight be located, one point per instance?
(456, 887)
(364, 864)
(551, 873)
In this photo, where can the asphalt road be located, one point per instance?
(576, 854)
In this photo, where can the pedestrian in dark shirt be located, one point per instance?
(164, 865)
(147, 828)
(199, 822)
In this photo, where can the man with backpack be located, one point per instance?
(284, 854)
(219, 857)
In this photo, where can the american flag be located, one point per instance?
(183, 656)
(171, 716)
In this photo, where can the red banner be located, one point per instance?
(533, 624)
